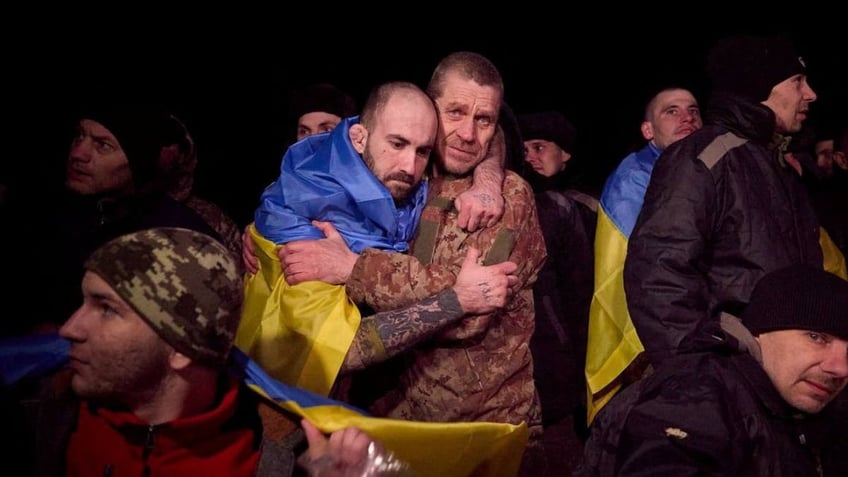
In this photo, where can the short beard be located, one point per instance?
(397, 194)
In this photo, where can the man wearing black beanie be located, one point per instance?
(724, 408)
(723, 208)
(112, 187)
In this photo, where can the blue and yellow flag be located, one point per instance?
(300, 334)
(480, 449)
(612, 340)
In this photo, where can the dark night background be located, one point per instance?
(230, 83)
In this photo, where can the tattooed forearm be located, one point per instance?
(389, 333)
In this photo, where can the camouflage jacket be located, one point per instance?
(220, 222)
(479, 369)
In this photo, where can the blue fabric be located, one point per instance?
(31, 355)
(323, 178)
(624, 191)
(276, 390)
(38, 355)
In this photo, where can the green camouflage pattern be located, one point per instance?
(480, 368)
(185, 284)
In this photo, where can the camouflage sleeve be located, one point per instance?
(388, 333)
(386, 280)
(389, 280)
(528, 252)
(221, 223)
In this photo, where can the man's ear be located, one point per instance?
(647, 130)
(178, 360)
(359, 137)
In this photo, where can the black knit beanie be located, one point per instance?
(322, 97)
(141, 131)
(549, 126)
(799, 297)
(750, 66)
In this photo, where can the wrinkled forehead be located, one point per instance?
(459, 90)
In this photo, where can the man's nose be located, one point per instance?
(81, 149)
(466, 130)
(836, 360)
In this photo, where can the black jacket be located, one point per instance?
(721, 210)
(562, 295)
(713, 412)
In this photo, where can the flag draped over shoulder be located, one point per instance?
(300, 334)
(612, 340)
(480, 449)
(323, 178)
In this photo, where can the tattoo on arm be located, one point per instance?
(389, 333)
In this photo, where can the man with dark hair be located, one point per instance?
(149, 391)
(319, 107)
(113, 184)
(614, 356)
(722, 208)
(740, 400)
(564, 288)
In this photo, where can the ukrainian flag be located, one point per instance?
(300, 334)
(479, 449)
(612, 340)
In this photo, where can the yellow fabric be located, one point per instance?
(834, 261)
(479, 449)
(612, 340)
(298, 334)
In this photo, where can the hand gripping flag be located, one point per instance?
(300, 334)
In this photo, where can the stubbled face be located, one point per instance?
(114, 354)
(315, 123)
(399, 144)
(545, 157)
(468, 116)
(96, 163)
(790, 100)
(672, 115)
(808, 368)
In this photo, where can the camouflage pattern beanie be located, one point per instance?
(183, 283)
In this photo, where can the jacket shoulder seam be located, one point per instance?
(719, 147)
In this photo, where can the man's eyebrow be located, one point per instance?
(398, 137)
(108, 297)
(103, 138)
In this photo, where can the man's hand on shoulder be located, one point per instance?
(479, 207)
(482, 205)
